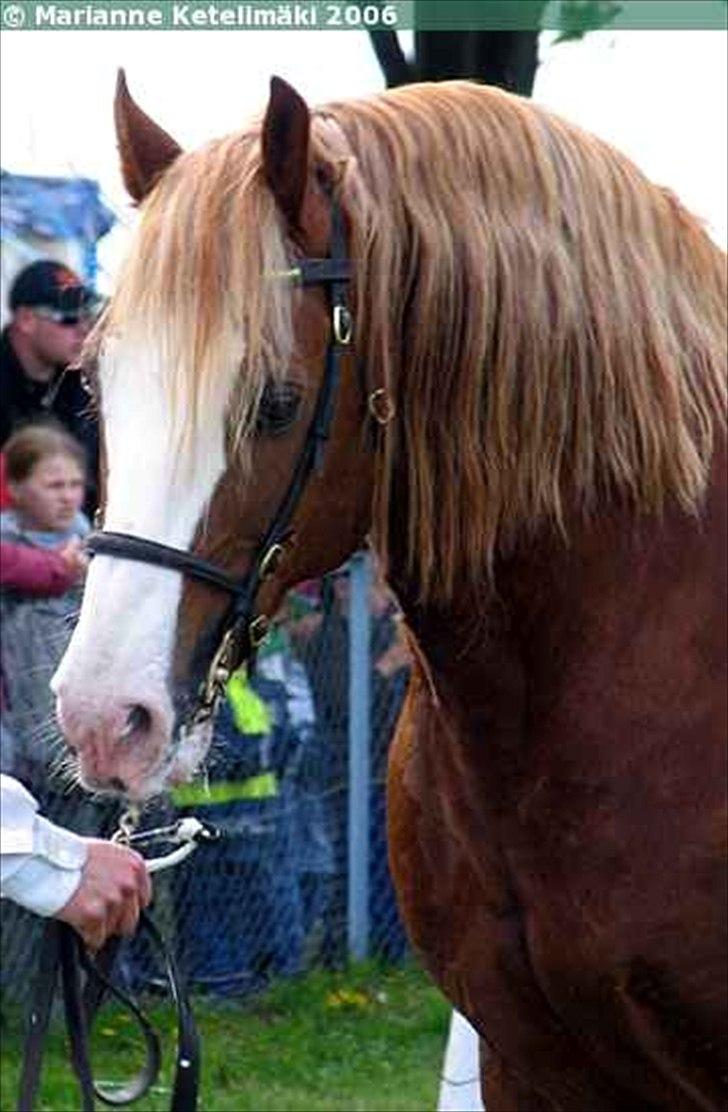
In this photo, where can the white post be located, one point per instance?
(460, 1080)
(360, 668)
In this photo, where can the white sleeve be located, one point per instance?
(40, 863)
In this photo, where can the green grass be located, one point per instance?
(367, 1039)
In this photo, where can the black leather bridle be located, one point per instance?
(242, 630)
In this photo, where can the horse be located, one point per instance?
(445, 322)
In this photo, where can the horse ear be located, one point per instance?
(146, 150)
(285, 148)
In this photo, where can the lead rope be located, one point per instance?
(64, 955)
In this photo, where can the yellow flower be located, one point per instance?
(347, 998)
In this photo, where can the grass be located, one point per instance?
(366, 1039)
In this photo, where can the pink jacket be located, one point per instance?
(33, 571)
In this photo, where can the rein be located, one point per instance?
(243, 630)
(86, 984)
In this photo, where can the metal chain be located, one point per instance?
(187, 833)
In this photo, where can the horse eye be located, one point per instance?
(278, 408)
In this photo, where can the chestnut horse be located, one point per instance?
(528, 420)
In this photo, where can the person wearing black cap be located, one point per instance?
(51, 313)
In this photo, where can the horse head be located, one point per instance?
(232, 417)
(519, 317)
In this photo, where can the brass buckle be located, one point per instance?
(219, 671)
(343, 324)
(258, 630)
(380, 406)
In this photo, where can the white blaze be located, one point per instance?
(122, 646)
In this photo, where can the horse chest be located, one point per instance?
(528, 900)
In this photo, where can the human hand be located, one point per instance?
(114, 887)
(74, 557)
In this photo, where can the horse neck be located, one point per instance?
(622, 596)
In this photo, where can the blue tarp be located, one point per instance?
(55, 208)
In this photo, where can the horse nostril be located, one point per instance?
(138, 720)
(98, 784)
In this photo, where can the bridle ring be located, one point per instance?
(343, 325)
(381, 407)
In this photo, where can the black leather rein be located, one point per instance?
(242, 631)
(64, 956)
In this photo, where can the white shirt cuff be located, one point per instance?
(45, 882)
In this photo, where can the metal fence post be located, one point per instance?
(359, 756)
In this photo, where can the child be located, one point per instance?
(45, 469)
(46, 473)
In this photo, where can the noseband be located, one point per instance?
(242, 630)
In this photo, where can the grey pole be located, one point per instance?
(359, 748)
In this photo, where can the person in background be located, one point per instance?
(322, 641)
(95, 886)
(278, 660)
(51, 312)
(245, 923)
(46, 473)
(35, 572)
(320, 637)
(44, 528)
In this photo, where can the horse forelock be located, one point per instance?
(199, 287)
(551, 323)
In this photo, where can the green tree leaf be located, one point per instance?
(577, 17)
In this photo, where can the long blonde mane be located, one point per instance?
(552, 325)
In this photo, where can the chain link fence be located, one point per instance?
(276, 895)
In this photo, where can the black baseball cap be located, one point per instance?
(51, 285)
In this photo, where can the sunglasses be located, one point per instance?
(65, 320)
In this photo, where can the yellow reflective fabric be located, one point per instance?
(263, 786)
(250, 713)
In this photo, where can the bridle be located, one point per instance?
(243, 630)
